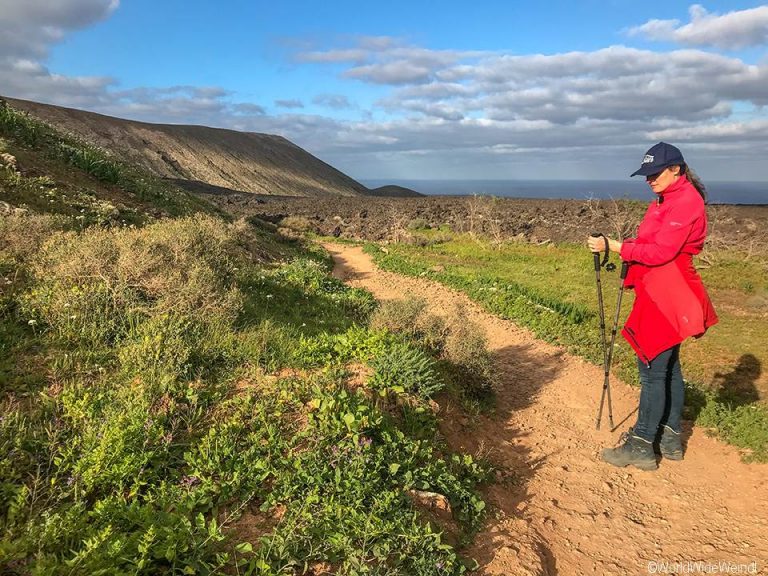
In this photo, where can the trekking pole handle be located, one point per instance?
(597, 260)
(624, 270)
(597, 254)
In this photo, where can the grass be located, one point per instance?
(163, 387)
(551, 290)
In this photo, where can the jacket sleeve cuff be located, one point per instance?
(627, 248)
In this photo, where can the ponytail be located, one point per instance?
(696, 181)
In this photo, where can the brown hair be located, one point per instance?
(696, 181)
(684, 169)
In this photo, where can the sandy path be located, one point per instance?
(566, 512)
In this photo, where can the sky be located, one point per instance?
(419, 89)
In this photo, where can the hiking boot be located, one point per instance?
(670, 445)
(634, 450)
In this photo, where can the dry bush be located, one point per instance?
(475, 215)
(623, 218)
(620, 217)
(99, 282)
(466, 347)
(297, 223)
(453, 338)
(21, 235)
(398, 225)
(483, 219)
(411, 318)
(748, 242)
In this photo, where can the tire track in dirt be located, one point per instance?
(565, 511)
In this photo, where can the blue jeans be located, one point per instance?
(662, 394)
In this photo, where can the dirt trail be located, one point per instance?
(566, 512)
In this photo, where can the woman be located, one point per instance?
(670, 305)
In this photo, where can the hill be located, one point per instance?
(394, 191)
(243, 161)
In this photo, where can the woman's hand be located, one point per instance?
(597, 244)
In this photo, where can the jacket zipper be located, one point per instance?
(642, 354)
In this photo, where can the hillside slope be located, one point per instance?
(243, 161)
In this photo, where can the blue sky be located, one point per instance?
(395, 89)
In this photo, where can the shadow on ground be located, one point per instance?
(522, 373)
(737, 387)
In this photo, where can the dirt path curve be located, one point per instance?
(566, 512)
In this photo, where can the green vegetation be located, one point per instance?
(551, 290)
(186, 398)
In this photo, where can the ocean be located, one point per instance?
(637, 189)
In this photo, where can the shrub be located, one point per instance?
(114, 278)
(418, 224)
(455, 339)
(20, 126)
(297, 223)
(309, 275)
(22, 235)
(466, 348)
(268, 346)
(354, 345)
(409, 317)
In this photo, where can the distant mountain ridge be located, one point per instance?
(241, 161)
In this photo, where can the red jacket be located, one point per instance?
(671, 302)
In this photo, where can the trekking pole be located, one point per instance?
(606, 381)
(609, 352)
(601, 309)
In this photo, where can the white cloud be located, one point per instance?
(718, 132)
(731, 31)
(27, 31)
(443, 113)
(291, 103)
(334, 101)
(29, 27)
(617, 83)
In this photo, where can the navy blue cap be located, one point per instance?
(659, 157)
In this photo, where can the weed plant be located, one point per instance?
(403, 368)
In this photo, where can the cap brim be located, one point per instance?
(647, 170)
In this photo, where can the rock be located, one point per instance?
(8, 161)
(431, 500)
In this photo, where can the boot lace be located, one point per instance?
(625, 436)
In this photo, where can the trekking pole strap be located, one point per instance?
(598, 264)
